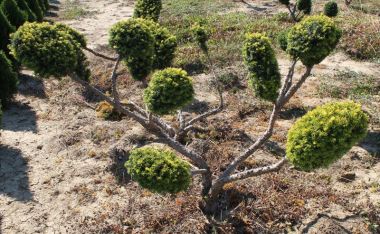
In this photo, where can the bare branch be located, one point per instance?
(255, 172)
(114, 77)
(99, 54)
(198, 172)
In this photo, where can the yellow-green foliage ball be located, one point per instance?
(262, 64)
(134, 42)
(50, 50)
(169, 90)
(148, 9)
(313, 39)
(158, 170)
(325, 134)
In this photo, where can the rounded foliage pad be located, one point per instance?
(159, 170)
(169, 90)
(331, 9)
(313, 39)
(148, 9)
(134, 42)
(49, 50)
(262, 64)
(325, 134)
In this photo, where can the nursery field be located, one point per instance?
(63, 149)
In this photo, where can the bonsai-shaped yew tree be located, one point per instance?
(298, 9)
(318, 139)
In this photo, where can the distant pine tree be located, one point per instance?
(25, 7)
(8, 79)
(14, 14)
(5, 29)
(34, 5)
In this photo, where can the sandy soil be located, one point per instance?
(55, 165)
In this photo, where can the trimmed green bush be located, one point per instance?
(164, 47)
(31, 17)
(14, 14)
(5, 30)
(262, 64)
(8, 80)
(159, 171)
(325, 134)
(304, 6)
(169, 90)
(331, 9)
(148, 9)
(313, 39)
(282, 39)
(79, 37)
(285, 2)
(49, 50)
(134, 42)
(34, 5)
(201, 36)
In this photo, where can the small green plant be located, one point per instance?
(53, 50)
(201, 36)
(159, 170)
(148, 9)
(299, 9)
(304, 6)
(8, 80)
(34, 5)
(313, 39)
(282, 39)
(325, 134)
(331, 9)
(106, 111)
(14, 14)
(262, 64)
(134, 42)
(169, 90)
(31, 17)
(5, 30)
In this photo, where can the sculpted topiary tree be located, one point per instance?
(5, 30)
(316, 140)
(331, 9)
(34, 5)
(14, 14)
(298, 9)
(31, 17)
(148, 9)
(8, 80)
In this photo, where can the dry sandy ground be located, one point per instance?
(53, 154)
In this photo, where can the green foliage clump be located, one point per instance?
(14, 14)
(282, 39)
(42, 5)
(285, 2)
(5, 30)
(313, 39)
(106, 111)
(148, 9)
(49, 50)
(74, 33)
(46, 4)
(34, 5)
(160, 171)
(8, 79)
(325, 134)
(262, 64)
(331, 9)
(201, 36)
(134, 42)
(31, 17)
(304, 6)
(168, 91)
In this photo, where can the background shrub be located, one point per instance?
(8, 80)
(159, 171)
(134, 42)
(313, 39)
(262, 64)
(201, 36)
(168, 91)
(5, 30)
(14, 14)
(42, 6)
(282, 39)
(49, 50)
(31, 17)
(331, 9)
(325, 134)
(148, 9)
(34, 5)
(304, 6)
